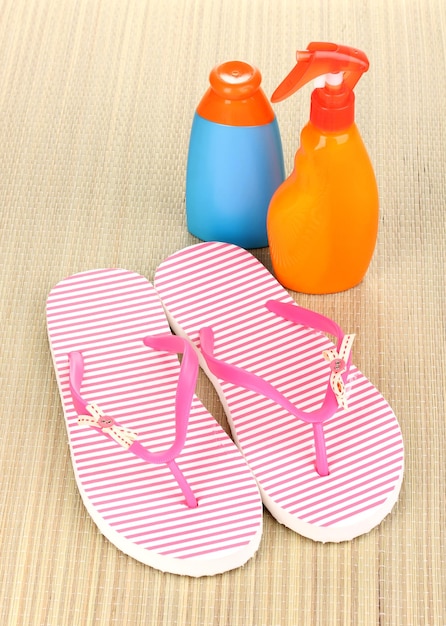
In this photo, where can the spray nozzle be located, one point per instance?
(335, 69)
(319, 61)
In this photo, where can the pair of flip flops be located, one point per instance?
(161, 479)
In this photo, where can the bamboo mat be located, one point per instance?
(97, 99)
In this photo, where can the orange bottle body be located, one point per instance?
(322, 221)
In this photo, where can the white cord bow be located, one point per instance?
(338, 363)
(124, 436)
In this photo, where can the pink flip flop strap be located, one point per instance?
(184, 394)
(248, 380)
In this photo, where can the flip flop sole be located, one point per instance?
(226, 288)
(138, 506)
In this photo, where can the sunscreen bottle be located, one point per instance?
(235, 160)
(323, 220)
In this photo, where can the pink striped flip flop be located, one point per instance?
(323, 444)
(158, 475)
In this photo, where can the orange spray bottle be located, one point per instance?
(322, 221)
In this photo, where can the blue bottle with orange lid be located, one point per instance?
(235, 159)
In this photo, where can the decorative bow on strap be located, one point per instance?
(97, 418)
(338, 364)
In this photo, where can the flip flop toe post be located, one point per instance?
(324, 445)
(158, 475)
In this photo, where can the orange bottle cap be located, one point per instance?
(235, 97)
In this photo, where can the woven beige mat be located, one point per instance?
(97, 99)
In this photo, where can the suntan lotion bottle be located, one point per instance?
(235, 160)
(323, 220)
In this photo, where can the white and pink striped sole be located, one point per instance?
(226, 288)
(138, 506)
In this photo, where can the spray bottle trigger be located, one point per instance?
(323, 59)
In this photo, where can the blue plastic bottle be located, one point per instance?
(235, 160)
